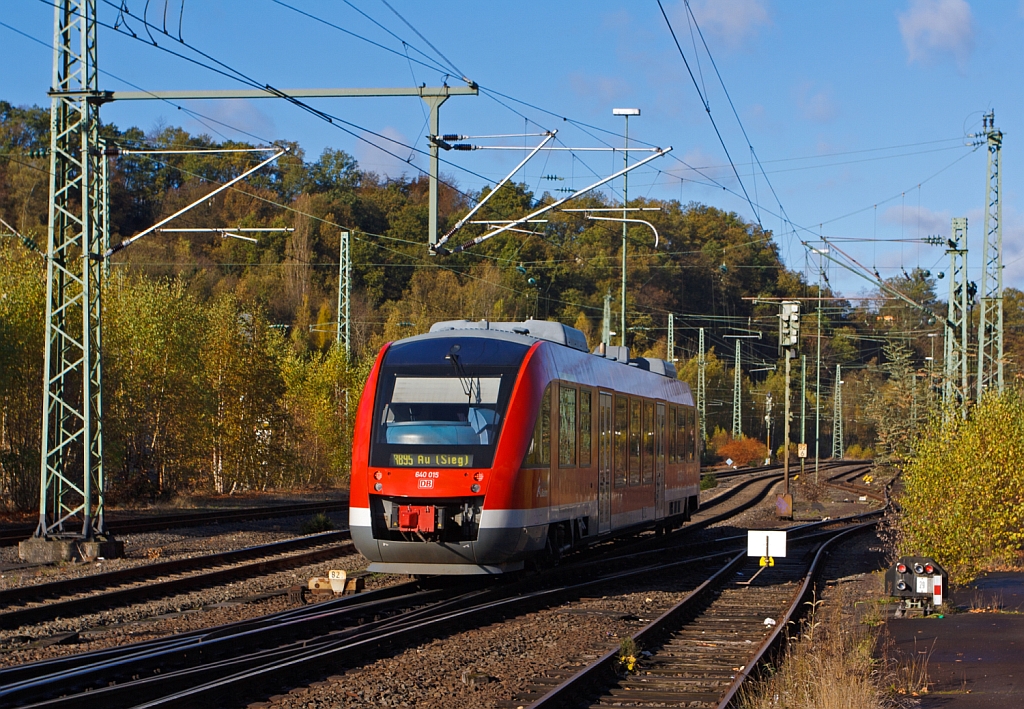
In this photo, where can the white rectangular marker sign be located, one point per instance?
(765, 543)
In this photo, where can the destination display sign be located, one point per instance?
(432, 460)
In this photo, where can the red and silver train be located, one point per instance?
(483, 445)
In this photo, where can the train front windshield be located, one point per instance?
(441, 402)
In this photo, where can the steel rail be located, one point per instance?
(17, 617)
(201, 647)
(603, 671)
(13, 535)
(211, 651)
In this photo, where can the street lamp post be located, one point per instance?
(626, 113)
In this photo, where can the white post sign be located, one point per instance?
(767, 545)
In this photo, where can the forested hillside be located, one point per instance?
(219, 368)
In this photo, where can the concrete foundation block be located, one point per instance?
(38, 550)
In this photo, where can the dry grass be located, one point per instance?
(830, 665)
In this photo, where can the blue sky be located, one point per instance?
(858, 111)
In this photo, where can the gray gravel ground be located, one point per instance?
(147, 547)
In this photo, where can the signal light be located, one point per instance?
(918, 569)
(928, 568)
(901, 586)
(378, 487)
(902, 568)
(478, 476)
(378, 475)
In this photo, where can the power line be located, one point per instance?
(707, 108)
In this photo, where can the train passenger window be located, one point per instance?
(693, 435)
(566, 427)
(660, 437)
(680, 435)
(671, 427)
(539, 453)
(635, 440)
(586, 399)
(621, 442)
(648, 452)
(688, 435)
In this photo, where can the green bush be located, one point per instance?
(963, 490)
(316, 524)
(709, 481)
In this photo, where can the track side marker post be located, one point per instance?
(767, 545)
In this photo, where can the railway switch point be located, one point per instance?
(920, 584)
(40, 550)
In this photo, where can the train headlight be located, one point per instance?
(478, 476)
(474, 488)
(902, 568)
(378, 487)
(378, 475)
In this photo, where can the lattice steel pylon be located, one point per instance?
(737, 410)
(990, 324)
(344, 335)
(71, 481)
(837, 416)
(702, 390)
(954, 385)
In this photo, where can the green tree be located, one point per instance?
(22, 302)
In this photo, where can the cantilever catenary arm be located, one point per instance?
(553, 205)
(547, 139)
(882, 285)
(631, 221)
(127, 242)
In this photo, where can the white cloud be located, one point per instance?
(243, 115)
(603, 90)
(914, 222)
(732, 21)
(933, 28)
(370, 158)
(816, 102)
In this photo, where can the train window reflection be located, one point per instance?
(436, 411)
(566, 427)
(539, 452)
(621, 442)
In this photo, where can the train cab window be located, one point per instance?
(440, 402)
(621, 441)
(649, 443)
(636, 438)
(566, 427)
(586, 399)
(539, 452)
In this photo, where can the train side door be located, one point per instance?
(604, 470)
(659, 463)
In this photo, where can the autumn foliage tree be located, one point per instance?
(963, 494)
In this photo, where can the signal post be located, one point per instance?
(789, 339)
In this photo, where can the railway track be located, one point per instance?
(220, 666)
(12, 535)
(699, 652)
(25, 605)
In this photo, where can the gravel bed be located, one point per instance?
(148, 547)
(173, 614)
(488, 666)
